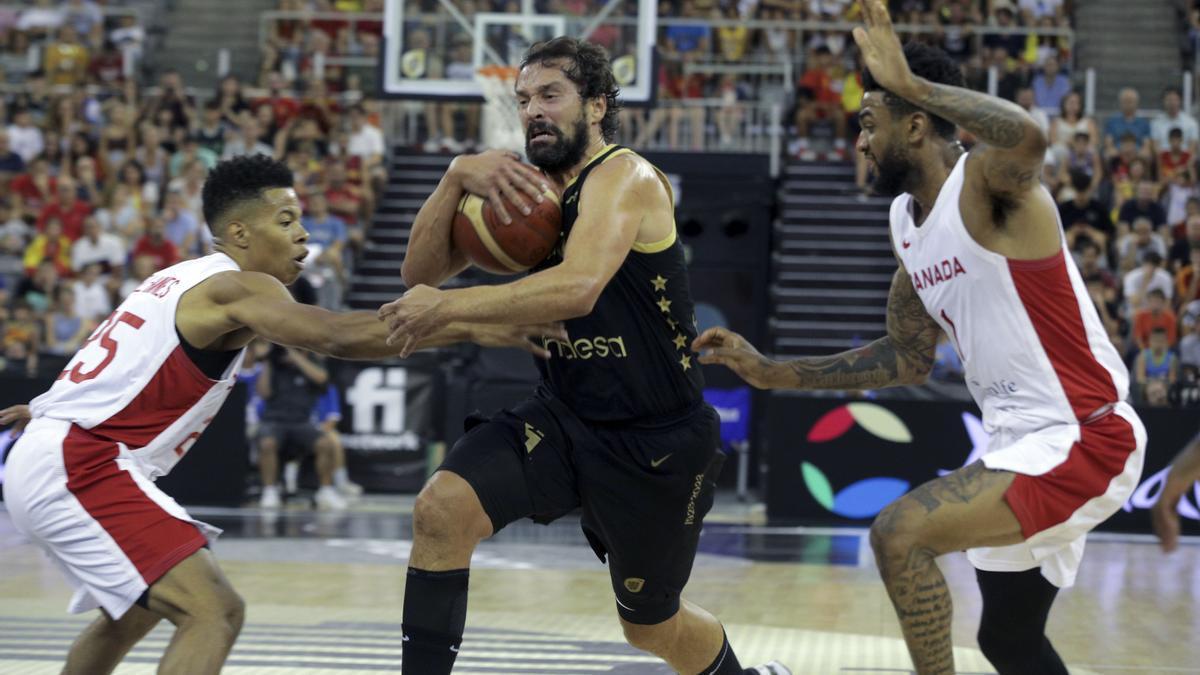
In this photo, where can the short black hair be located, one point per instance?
(1157, 293)
(587, 65)
(235, 181)
(928, 62)
(1175, 132)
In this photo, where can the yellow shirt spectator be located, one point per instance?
(852, 92)
(66, 63)
(734, 40)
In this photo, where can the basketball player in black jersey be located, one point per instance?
(618, 425)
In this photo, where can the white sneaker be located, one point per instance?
(328, 499)
(432, 145)
(452, 145)
(771, 668)
(270, 498)
(350, 489)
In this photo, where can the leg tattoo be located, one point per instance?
(906, 553)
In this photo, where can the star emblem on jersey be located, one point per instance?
(686, 362)
(680, 341)
(665, 305)
(660, 284)
(672, 323)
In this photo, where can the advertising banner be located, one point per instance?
(839, 461)
(390, 414)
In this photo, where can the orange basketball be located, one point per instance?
(506, 249)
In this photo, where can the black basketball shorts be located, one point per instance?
(644, 490)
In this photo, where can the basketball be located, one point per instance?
(506, 249)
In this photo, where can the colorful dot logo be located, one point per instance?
(867, 497)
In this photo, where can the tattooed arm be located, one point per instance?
(1010, 160)
(904, 356)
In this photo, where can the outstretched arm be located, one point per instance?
(612, 208)
(904, 356)
(262, 304)
(1185, 471)
(1014, 145)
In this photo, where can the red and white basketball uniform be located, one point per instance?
(80, 481)
(1039, 363)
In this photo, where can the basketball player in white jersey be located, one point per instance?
(982, 258)
(138, 394)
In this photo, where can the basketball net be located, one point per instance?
(500, 124)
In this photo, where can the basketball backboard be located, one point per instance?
(433, 48)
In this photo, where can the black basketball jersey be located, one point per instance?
(631, 358)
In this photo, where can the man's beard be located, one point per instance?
(894, 173)
(561, 154)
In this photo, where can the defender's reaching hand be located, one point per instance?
(724, 347)
(415, 315)
(16, 415)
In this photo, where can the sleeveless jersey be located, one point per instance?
(631, 358)
(1033, 348)
(131, 381)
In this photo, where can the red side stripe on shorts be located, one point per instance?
(1044, 287)
(176, 387)
(152, 539)
(1041, 502)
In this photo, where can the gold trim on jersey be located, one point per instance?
(471, 206)
(642, 247)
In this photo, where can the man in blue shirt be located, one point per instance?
(327, 236)
(1127, 121)
(1050, 86)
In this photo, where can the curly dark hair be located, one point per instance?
(238, 180)
(928, 62)
(587, 65)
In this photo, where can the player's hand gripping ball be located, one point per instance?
(506, 249)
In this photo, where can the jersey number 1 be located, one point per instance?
(104, 335)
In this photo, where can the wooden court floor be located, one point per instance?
(325, 591)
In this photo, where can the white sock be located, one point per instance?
(270, 489)
(291, 475)
(340, 477)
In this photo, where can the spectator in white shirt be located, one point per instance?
(1034, 10)
(98, 247)
(92, 300)
(366, 141)
(1173, 117)
(1144, 278)
(42, 18)
(1189, 346)
(24, 137)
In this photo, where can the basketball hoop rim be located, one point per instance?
(497, 72)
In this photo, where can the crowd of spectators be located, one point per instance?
(825, 95)
(101, 175)
(1127, 192)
